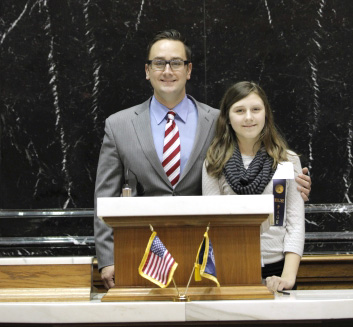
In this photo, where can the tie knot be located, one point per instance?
(171, 115)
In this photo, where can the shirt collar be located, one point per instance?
(159, 111)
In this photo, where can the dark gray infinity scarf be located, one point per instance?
(255, 178)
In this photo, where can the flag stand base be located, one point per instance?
(181, 298)
(253, 292)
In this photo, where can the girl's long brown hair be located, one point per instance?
(225, 140)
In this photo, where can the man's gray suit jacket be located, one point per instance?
(128, 144)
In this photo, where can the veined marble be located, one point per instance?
(45, 261)
(92, 312)
(299, 305)
(65, 66)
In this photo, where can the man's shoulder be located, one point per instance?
(129, 112)
(205, 107)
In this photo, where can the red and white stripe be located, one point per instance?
(158, 268)
(171, 150)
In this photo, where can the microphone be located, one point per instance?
(126, 191)
(139, 187)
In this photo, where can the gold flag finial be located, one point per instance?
(151, 228)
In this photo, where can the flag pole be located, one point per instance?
(193, 269)
(187, 286)
(176, 287)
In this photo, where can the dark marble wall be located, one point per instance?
(67, 65)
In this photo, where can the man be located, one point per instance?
(134, 142)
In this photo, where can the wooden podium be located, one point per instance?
(180, 222)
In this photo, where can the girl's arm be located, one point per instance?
(295, 235)
(289, 274)
(210, 185)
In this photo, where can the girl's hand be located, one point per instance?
(276, 283)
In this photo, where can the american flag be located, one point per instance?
(158, 264)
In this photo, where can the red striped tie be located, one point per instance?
(171, 150)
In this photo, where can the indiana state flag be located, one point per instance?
(205, 265)
(157, 264)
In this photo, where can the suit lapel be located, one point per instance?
(204, 125)
(143, 131)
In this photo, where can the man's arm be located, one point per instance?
(304, 182)
(108, 184)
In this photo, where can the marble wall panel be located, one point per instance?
(67, 65)
(70, 232)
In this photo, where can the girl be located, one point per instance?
(242, 159)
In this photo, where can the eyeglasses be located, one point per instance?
(159, 64)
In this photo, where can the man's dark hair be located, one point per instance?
(169, 35)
